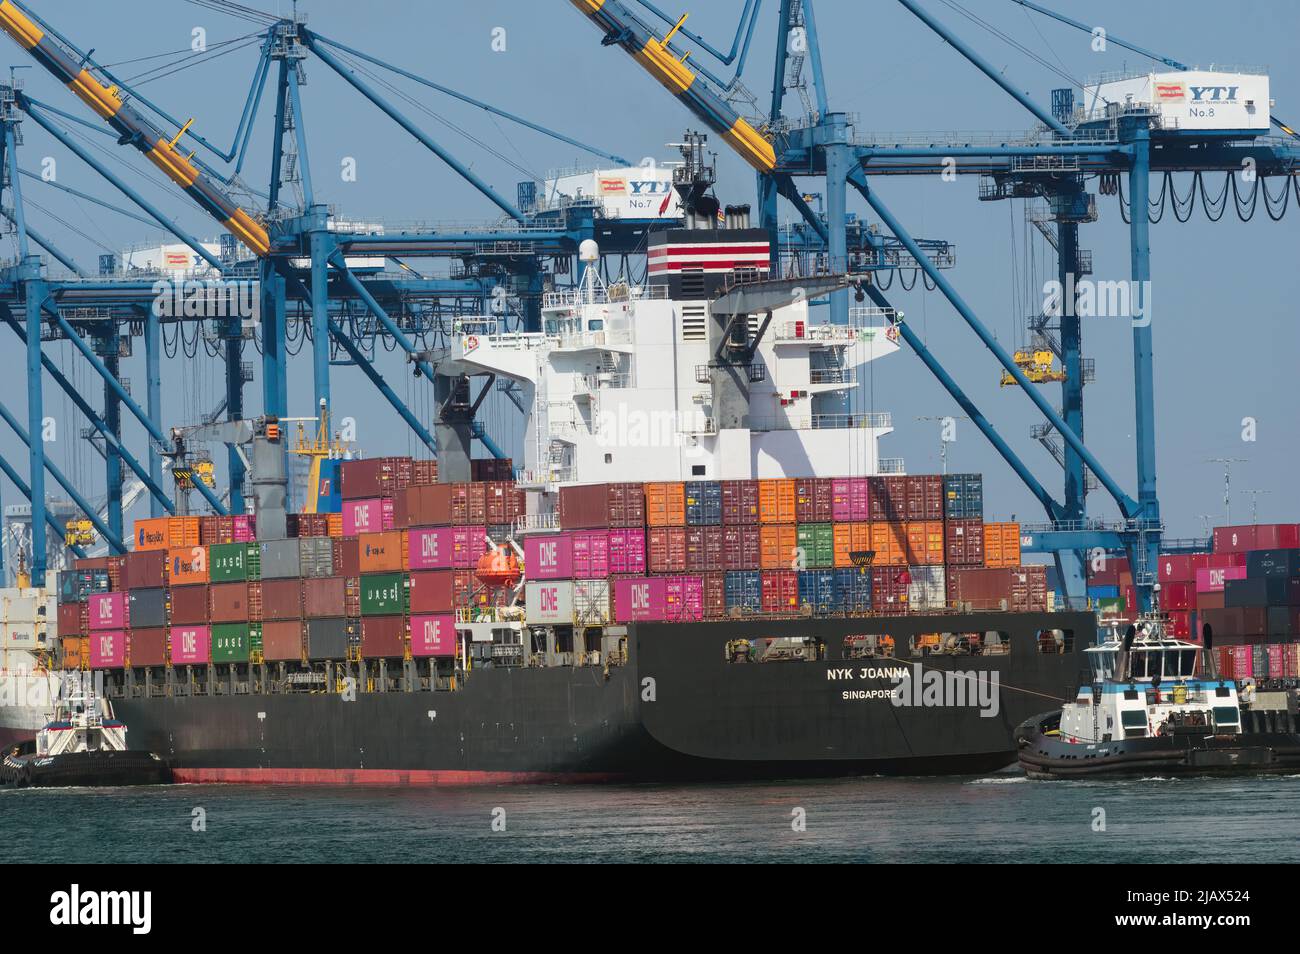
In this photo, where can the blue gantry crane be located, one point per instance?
(1123, 142)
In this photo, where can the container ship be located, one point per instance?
(701, 569)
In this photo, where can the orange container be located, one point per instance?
(1001, 544)
(925, 539)
(334, 525)
(861, 536)
(187, 565)
(777, 543)
(382, 552)
(776, 501)
(665, 504)
(843, 536)
(889, 540)
(76, 652)
(161, 533)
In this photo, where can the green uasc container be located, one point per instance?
(233, 562)
(230, 642)
(383, 594)
(255, 637)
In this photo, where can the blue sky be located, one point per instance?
(1226, 337)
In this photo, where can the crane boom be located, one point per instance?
(623, 28)
(132, 126)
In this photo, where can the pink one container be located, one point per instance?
(107, 649)
(107, 610)
(549, 556)
(368, 515)
(191, 645)
(433, 635)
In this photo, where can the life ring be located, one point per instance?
(471, 343)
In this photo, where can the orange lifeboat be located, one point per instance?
(498, 568)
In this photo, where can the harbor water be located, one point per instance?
(997, 818)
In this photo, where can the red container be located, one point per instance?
(282, 599)
(813, 500)
(780, 591)
(715, 595)
(627, 552)
(432, 591)
(889, 589)
(283, 641)
(888, 498)
(107, 649)
(505, 502)
(425, 506)
(1110, 572)
(376, 477)
(739, 502)
(547, 556)
(704, 549)
(229, 602)
(147, 647)
(1181, 623)
(107, 611)
(191, 645)
(347, 557)
(190, 604)
(383, 637)
(1177, 596)
(145, 569)
(741, 547)
(1178, 567)
(433, 635)
(666, 550)
(425, 472)
(593, 506)
(70, 622)
(590, 549)
(321, 597)
(963, 542)
(923, 497)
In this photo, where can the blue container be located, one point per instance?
(703, 503)
(1103, 592)
(963, 496)
(744, 591)
(853, 589)
(817, 589)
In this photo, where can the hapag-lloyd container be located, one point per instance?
(107, 611)
(160, 533)
(187, 565)
(433, 635)
(441, 548)
(367, 515)
(548, 556)
(107, 649)
(590, 553)
(549, 601)
(191, 645)
(1211, 579)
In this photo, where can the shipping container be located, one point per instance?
(703, 503)
(234, 562)
(375, 477)
(1001, 545)
(964, 542)
(666, 550)
(1259, 591)
(778, 545)
(280, 559)
(923, 543)
(431, 591)
(546, 556)
(776, 501)
(889, 498)
(1210, 579)
(107, 649)
(162, 533)
(316, 556)
(665, 504)
(627, 552)
(715, 595)
(368, 515)
(425, 506)
(433, 635)
(107, 611)
(853, 590)
(640, 598)
(147, 608)
(590, 551)
(1178, 567)
(549, 602)
(591, 603)
(815, 543)
(1273, 563)
(383, 637)
(889, 541)
(283, 641)
(146, 647)
(190, 604)
(282, 599)
(1014, 589)
(704, 549)
(1263, 536)
(321, 597)
(229, 603)
(850, 499)
(383, 594)
(684, 599)
(741, 547)
(431, 548)
(743, 592)
(780, 592)
(814, 500)
(186, 566)
(1178, 596)
(71, 619)
(817, 592)
(146, 569)
(191, 645)
(380, 552)
(963, 497)
(327, 638)
(505, 502)
(231, 642)
(926, 589)
(594, 506)
(739, 502)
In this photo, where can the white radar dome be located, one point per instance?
(589, 251)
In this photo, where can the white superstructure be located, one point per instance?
(616, 387)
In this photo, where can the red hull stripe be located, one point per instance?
(725, 265)
(705, 248)
(413, 777)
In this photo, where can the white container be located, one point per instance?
(549, 602)
(928, 589)
(591, 602)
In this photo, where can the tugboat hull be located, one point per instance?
(99, 768)
(1046, 756)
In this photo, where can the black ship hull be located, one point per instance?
(99, 769)
(675, 709)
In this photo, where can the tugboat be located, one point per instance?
(1146, 711)
(81, 745)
